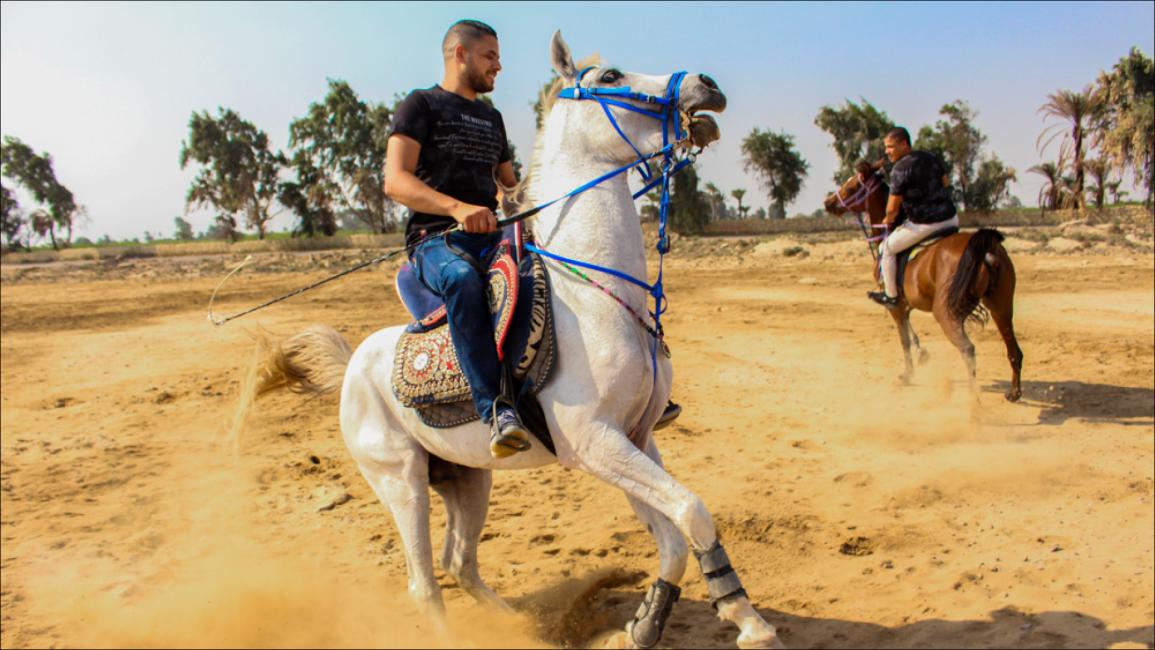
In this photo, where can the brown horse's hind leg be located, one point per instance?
(1000, 303)
(957, 334)
(902, 320)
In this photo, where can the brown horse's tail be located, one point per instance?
(964, 294)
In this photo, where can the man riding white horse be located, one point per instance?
(444, 150)
(614, 376)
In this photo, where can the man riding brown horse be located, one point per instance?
(920, 194)
(959, 277)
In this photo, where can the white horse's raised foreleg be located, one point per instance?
(617, 461)
(466, 496)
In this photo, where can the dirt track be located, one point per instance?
(857, 513)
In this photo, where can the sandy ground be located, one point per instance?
(857, 513)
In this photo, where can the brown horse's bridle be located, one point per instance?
(865, 189)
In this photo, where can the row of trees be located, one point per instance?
(337, 159)
(1115, 118)
(336, 155)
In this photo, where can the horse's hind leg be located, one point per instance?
(957, 335)
(609, 455)
(1000, 303)
(403, 485)
(466, 496)
(902, 321)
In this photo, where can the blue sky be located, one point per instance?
(108, 88)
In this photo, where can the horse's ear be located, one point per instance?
(877, 165)
(561, 58)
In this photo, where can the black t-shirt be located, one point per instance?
(917, 178)
(462, 141)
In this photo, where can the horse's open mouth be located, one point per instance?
(703, 128)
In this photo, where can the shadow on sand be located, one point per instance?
(1062, 400)
(581, 611)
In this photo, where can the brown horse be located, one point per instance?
(961, 277)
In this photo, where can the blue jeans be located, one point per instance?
(464, 290)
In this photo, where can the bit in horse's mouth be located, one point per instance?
(702, 126)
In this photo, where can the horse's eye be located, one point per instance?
(610, 76)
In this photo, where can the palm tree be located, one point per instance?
(1051, 193)
(742, 209)
(1077, 111)
(717, 202)
(1099, 171)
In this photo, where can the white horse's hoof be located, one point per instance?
(618, 640)
(761, 640)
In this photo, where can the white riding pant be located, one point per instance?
(903, 237)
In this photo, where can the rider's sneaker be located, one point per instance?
(507, 435)
(669, 415)
(883, 299)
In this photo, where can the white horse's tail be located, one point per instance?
(311, 362)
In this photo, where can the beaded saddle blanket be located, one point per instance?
(426, 372)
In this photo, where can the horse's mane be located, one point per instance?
(515, 198)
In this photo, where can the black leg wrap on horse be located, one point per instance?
(650, 619)
(721, 580)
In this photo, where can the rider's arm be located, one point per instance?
(403, 186)
(893, 206)
(506, 175)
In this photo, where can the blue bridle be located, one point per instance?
(672, 135)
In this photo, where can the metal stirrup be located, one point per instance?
(721, 580)
(650, 620)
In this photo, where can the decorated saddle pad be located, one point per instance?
(426, 373)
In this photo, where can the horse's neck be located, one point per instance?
(599, 226)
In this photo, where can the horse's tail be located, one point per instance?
(310, 362)
(964, 294)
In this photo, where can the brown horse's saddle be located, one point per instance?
(906, 256)
(426, 372)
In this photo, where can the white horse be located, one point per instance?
(601, 403)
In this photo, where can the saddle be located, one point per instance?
(426, 373)
(905, 257)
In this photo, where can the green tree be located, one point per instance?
(857, 130)
(343, 139)
(781, 169)
(689, 211)
(183, 230)
(1126, 130)
(1075, 111)
(959, 143)
(742, 209)
(308, 198)
(238, 174)
(34, 173)
(991, 185)
(12, 220)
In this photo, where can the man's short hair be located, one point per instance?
(466, 32)
(899, 133)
